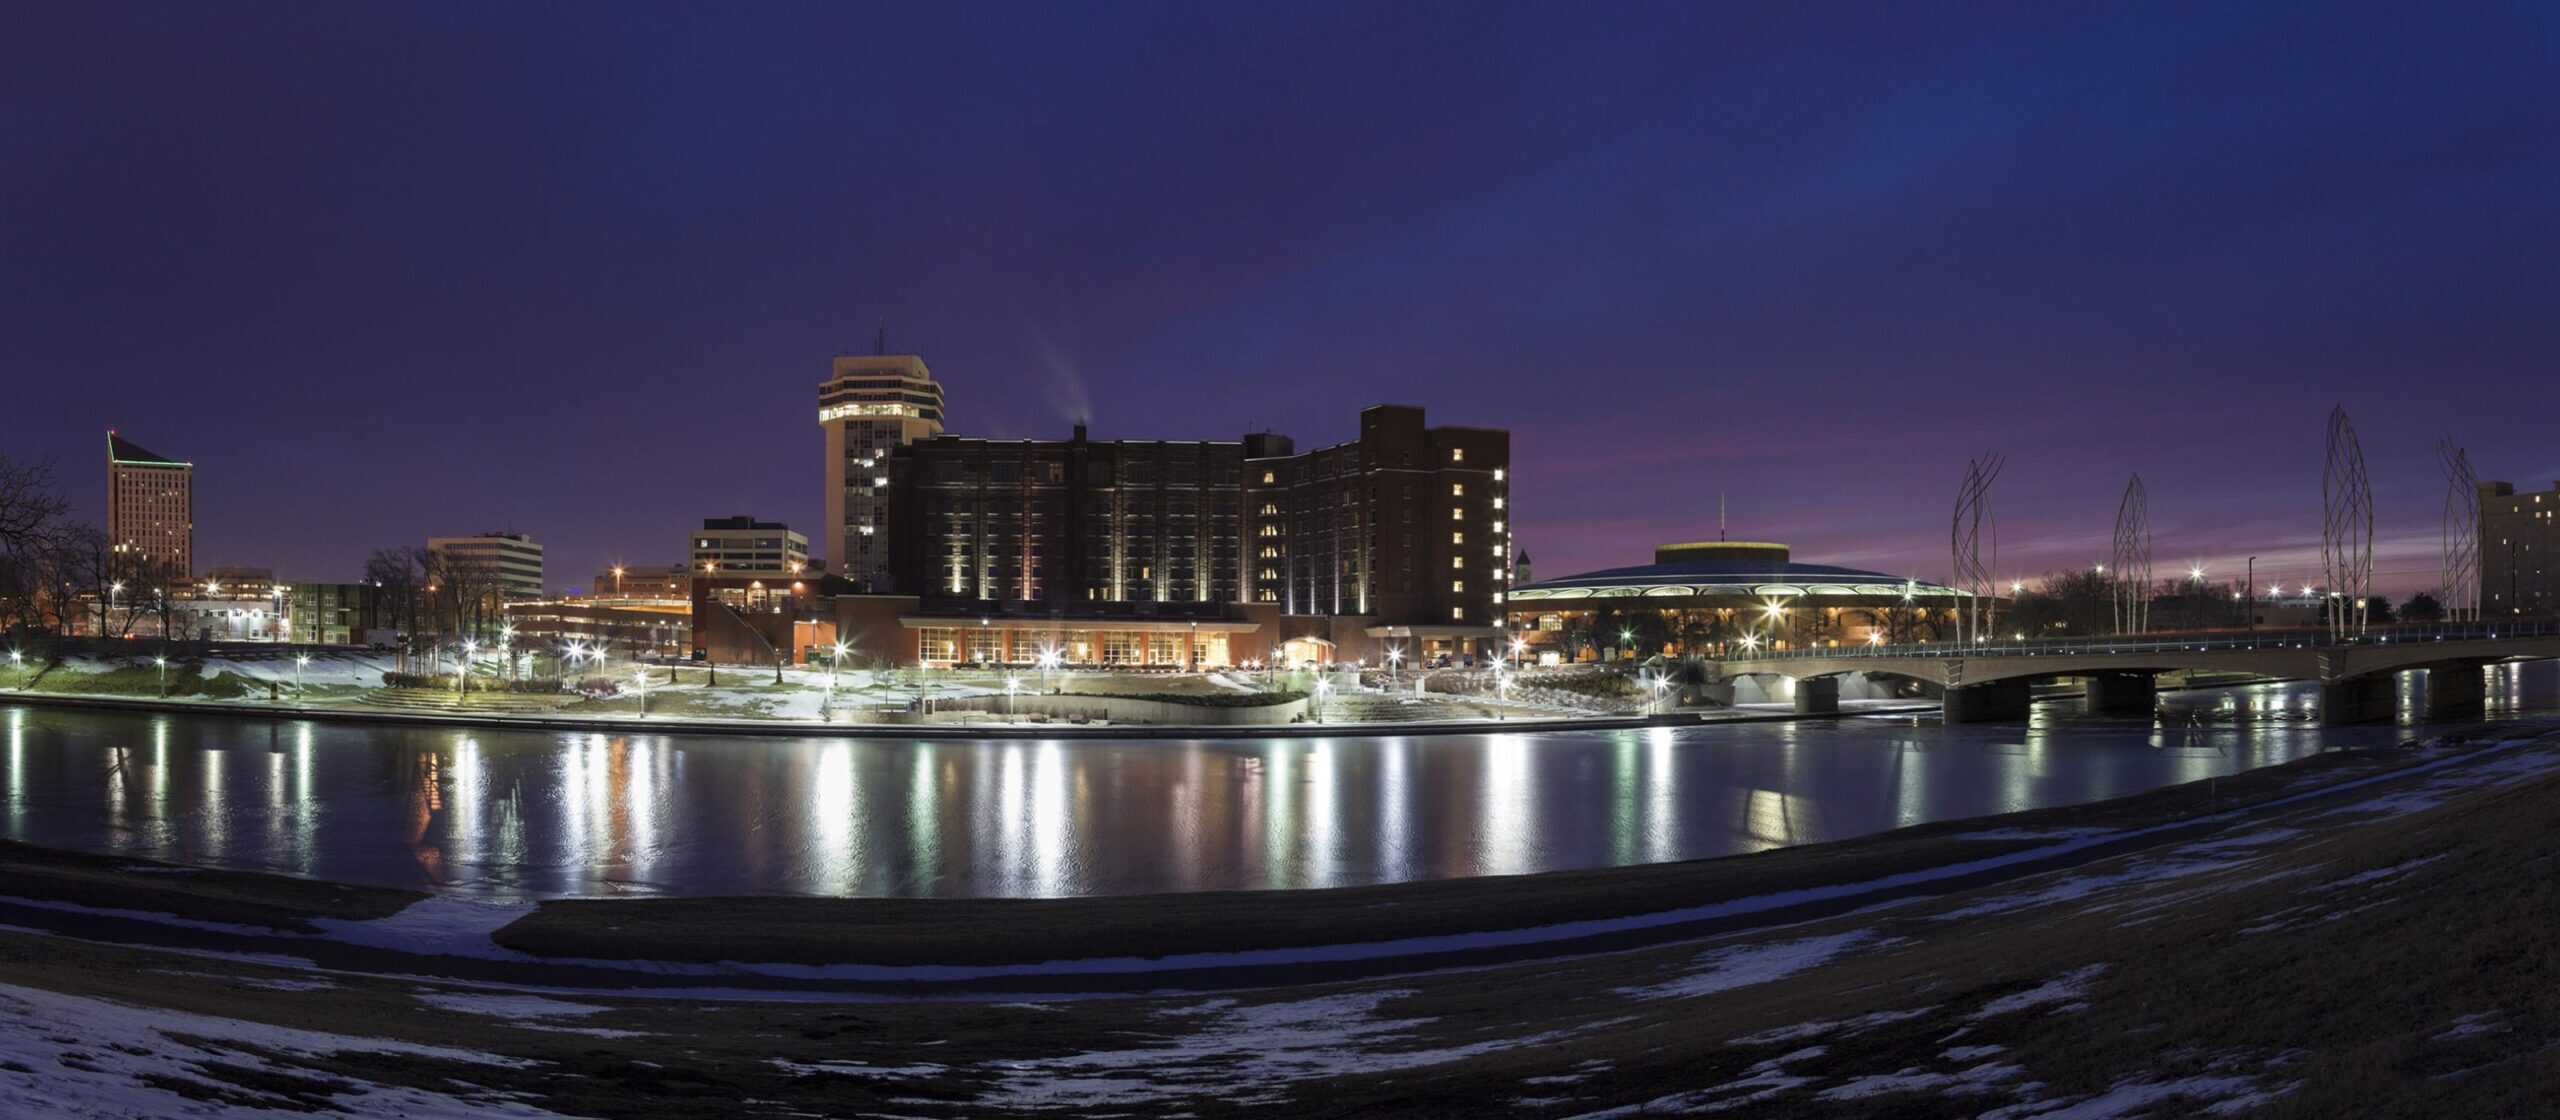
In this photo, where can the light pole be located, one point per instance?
(112, 589)
(640, 673)
(1654, 707)
(1395, 658)
(462, 671)
(163, 663)
(617, 581)
(1323, 688)
(299, 661)
(18, 662)
(1011, 685)
(835, 663)
(2253, 593)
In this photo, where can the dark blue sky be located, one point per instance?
(384, 272)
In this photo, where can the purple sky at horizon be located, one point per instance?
(386, 272)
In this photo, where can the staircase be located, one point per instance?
(444, 702)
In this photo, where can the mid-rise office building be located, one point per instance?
(2518, 533)
(744, 546)
(509, 563)
(869, 407)
(151, 511)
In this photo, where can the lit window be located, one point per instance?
(1456, 562)
(1457, 454)
(1497, 503)
(1457, 538)
(1457, 585)
(1457, 489)
(1497, 474)
(1497, 550)
(1456, 514)
(1497, 597)
(1266, 478)
(1457, 614)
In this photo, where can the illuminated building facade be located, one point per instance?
(1709, 597)
(2517, 535)
(869, 407)
(151, 511)
(1187, 553)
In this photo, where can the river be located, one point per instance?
(528, 814)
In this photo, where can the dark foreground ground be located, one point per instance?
(2369, 934)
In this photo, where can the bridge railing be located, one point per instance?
(2167, 643)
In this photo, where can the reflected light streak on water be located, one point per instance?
(515, 814)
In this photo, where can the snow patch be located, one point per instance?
(94, 1055)
(1740, 966)
(2065, 989)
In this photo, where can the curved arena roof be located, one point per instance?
(1752, 577)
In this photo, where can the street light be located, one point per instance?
(299, 661)
(462, 672)
(1395, 658)
(835, 662)
(1011, 686)
(640, 673)
(18, 662)
(163, 663)
(1659, 686)
(1324, 687)
(617, 581)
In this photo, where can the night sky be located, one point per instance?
(384, 272)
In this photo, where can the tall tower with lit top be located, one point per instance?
(869, 406)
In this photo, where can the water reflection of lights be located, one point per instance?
(832, 810)
(924, 831)
(1280, 814)
(1662, 798)
(1395, 809)
(17, 772)
(1323, 829)
(1507, 827)
(1050, 824)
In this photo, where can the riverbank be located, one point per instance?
(2361, 933)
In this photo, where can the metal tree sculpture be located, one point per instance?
(1964, 539)
(2346, 530)
(2132, 585)
(2461, 587)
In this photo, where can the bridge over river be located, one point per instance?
(1991, 681)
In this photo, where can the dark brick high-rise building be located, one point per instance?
(1400, 535)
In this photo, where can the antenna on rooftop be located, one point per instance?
(1719, 515)
(880, 346)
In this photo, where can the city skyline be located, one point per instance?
(1806, 270)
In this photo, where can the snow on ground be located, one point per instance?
(1743, 965)
(2067, 989)
(1765, 1079)
(354, 669)
(2476, 1023)
(1982, 1078)
(1821, 1027)
(2221, 1096)
(529, 1012)
(2376, 875)
(438, 924)
(74, 1057)
(1239, 1053)
(855, 1069)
